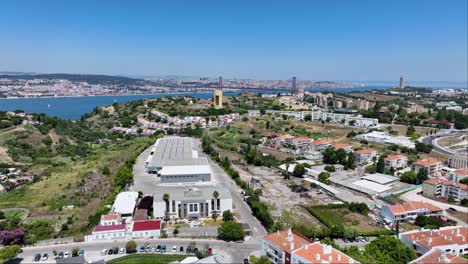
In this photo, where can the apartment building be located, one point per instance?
(320, 144)
(301, 142)
(408, 211)
(284, 139)
(365, 156)
(450, 239)
(440, 257)
(444, 188)
(288, 246)
(458, 161)
(346, 147)
(458, 175)
(433, 166)
(396, 161)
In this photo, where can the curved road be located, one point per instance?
(434, 138)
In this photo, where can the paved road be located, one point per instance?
(143, 181)
(231, 252)
(434, 138)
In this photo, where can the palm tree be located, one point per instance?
(166, 199)
(215, 196)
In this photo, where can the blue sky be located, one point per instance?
(317, 40)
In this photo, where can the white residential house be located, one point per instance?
(433, 166)
(365, 156)
(458, 175)
(109, 232)
(146, 229)
(320, 144)
(396, 161)
(110, 219)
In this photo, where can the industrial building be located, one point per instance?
(125, 203)
(191, 202)
(175, 161)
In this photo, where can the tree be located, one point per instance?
(8, 252)
(259, 260)
(330, 168)
(146, 203)
(299, 170)
(214, 216)
(410, 131)
(215, 197)
(228, 216)
(308, 117)
(12, 237)
(323, 177)
(123, 176)
(408, 177)
(380, 168)
(166, 198)
(464, 202)
(351, 161)
(231, 231)
(388, 249)
(464, 180)
(131, 247)
(422, 175)
(451, 199)
(75, 251)
(175, 232)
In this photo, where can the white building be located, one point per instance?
(458, 161)
(125, 203)
(365, 156)
(441, 187)
(110, 219)
(396, 161)
(346, 147)
(408, 211)
(319, 253)
(386, 139)
(450, 239)
(191, 202)
(320, 144)
(433, 166)
(146, 229)
(108, 232)
(458, 175)
(440, 257)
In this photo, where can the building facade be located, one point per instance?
(433, 166)
(365, 156)
(444, 188)
(458, 161)
(396, 161)
(408, 211)
(458, 175)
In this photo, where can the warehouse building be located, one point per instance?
(191, 202)
(175, 161)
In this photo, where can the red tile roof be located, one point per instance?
(436, 181)
(108, 217)
(439, 256)
(280, 239)
(446, 236)
(301, 139)
(341, 145)
(285, 136)
(427, 162)
(365, 151)
(400, 209)
(462, 171)
(101, 228)
(318, 253)
(140, 215)
(395, 157)
(147, 225)
(320, 142)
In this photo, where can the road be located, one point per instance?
(231, 252)
(434, 138)
(414, 196)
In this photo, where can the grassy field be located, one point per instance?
(343, 216)
(147, 259)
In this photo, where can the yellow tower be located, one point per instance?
(218, 98)
(218, 95)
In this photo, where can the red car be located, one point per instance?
(210, 251)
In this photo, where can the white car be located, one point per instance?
(174, 249)
(104, 252)
(66, 254)
(122, 251)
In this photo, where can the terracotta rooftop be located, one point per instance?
(320, 142)
(318, 253)
(285, 136)
(439, 256)
(341, 145)
(109, 217)
(302, 139)
(435, 181)
(283, 240)
(462, 171)
(395, 157)
(446, 236)
(426, 162)
(365, 151)
(399, 209)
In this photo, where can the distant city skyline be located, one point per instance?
(358, 40)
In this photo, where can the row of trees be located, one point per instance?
(339, 156)
(413, 178)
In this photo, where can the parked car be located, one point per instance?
(37, 257)
(189, 250)
(148, 248)
(163, 249)
(210, 251)
(195, 250)
(174, 249)
(181, 250)
(110, 251)
(158, 248)
(246, 261)
(66, 254)
(452, 209)
(45, 257)
(115, 250)
(81, 252)
(122, 251)
(60, 255)
(142, 248)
